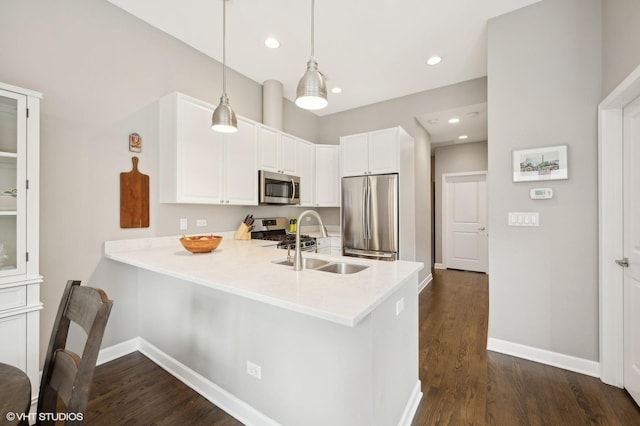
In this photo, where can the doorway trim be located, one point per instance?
(610, 230)
(443, 212)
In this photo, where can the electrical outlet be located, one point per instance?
(201, 222)
(183, 224)
(308, 219)
(400, 306)
(254, 370)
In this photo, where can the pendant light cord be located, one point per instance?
(312, 23)
(224, 47)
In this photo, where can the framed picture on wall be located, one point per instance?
(546, 163)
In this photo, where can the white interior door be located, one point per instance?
(631, 185)
(465, 221)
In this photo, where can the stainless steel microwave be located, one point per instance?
(277, 188)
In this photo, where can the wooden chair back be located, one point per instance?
(66, 374)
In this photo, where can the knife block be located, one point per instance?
(243, 232)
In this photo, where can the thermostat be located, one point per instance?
(541, 193)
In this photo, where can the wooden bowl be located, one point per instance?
(201, 243)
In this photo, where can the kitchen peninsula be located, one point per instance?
(271, 345)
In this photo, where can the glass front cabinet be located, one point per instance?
(19, 228)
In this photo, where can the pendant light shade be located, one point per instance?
(224, 119)
(312, 90)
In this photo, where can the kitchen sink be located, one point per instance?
(342, 268)
(307, 263)
(325, 266)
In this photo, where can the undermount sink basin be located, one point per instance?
(325, 265)
(307, 263)
(342, 268)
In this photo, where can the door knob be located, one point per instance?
(624, 262)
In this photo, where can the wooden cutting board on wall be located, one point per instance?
(134, 198)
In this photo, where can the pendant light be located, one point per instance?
(224, 119)
(312, 90)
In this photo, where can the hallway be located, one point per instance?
(463, 383)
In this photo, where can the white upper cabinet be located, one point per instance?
(277, 151)
(370, 153)
(199, 165)
(306, 166)
(354, 151)
(240, 157)
(327, 176)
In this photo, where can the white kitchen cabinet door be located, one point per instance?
(288, 154)
(269, 157)
(354, 152)
(240, 155)
(370, 153)
(199, 156)
(277, 151)
(306, 166)
(13, 175)
(199, 165)
(13, 329)
(191, 153)
(384, 151)
(327, 176)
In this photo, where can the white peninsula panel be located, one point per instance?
(332, 349)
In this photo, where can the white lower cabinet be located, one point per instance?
(199, 165)
(329, 245)
(14, 328)
(336, 246)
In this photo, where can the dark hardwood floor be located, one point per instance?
(463, 383)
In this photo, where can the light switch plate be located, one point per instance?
(529, 219)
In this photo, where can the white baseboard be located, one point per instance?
(227, 402)
(231, 404)
(567, 362)
(425, 282)
(116, 351)
(439, 266)
(412, 405)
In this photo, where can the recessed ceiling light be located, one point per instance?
(454, 120)
(336, 90)
(434, 60)
(463, 137)
(272, 43)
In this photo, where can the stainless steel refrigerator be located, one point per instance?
(370, 216)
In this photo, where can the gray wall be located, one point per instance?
(544, 65)
(102, 72)
(620, 35)
(422, 172)
(468, 157)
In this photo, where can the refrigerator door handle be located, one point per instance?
(364, 209)
(367, 207)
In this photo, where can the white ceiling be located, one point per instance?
(373, 49)
(472, 123)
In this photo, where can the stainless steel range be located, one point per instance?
(275, 229)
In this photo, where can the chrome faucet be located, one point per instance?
(297, 262)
